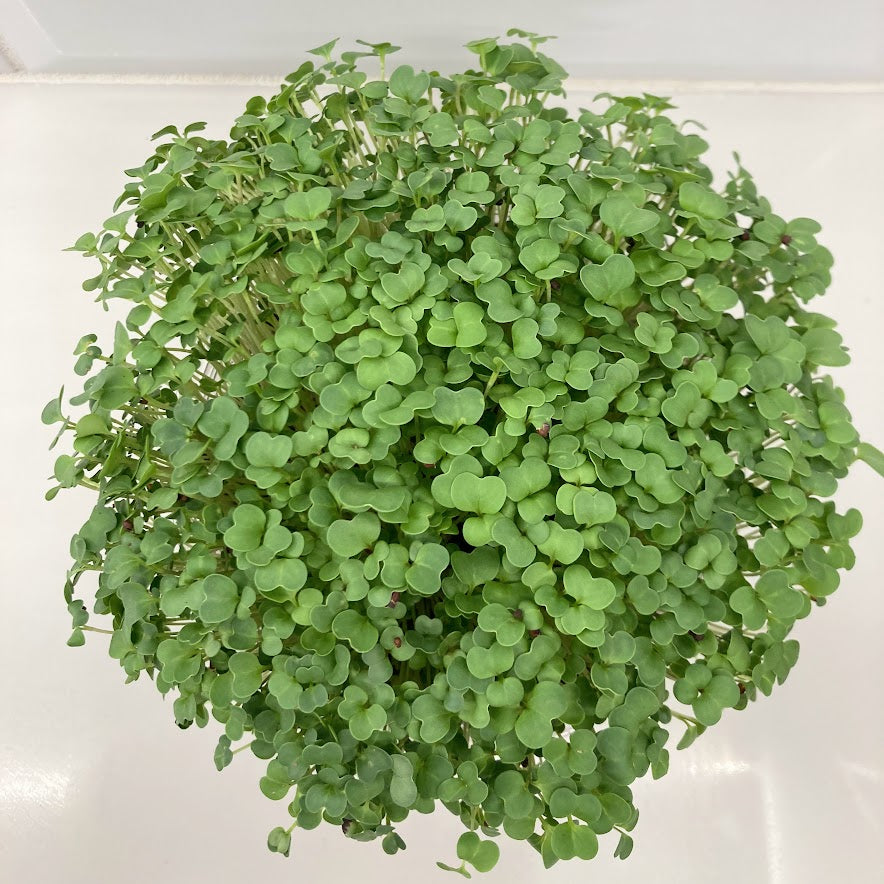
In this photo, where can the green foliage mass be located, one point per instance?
(453, 446)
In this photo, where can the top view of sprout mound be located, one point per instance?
(455, 447)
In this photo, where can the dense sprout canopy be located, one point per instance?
(453, 445)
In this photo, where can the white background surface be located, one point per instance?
(96, 782)
(696, 39)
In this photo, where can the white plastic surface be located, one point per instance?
(693, 39)
(96, 782)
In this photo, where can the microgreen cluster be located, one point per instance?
(455, 449)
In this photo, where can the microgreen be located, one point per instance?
(454, 448)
